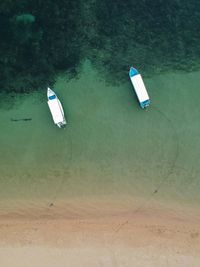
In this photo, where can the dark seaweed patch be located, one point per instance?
(42, 38)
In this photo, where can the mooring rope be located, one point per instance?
(165, 177)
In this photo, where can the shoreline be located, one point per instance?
(88, 207)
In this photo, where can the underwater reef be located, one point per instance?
(153, 35)
(40, 39)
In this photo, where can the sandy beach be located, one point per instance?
(99, 233)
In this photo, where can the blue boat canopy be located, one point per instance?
(133, 72)
(52, 97)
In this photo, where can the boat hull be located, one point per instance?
(139, 87)
(56, 108)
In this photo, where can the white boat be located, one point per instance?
(139, 87)
(55, 108)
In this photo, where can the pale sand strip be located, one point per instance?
(101, 236)
(95, 257)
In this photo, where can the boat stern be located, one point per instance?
(145, 104)
(62, 124)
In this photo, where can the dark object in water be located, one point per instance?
(25, 119)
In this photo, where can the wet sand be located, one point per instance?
(100, 233)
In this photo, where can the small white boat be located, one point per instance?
(139, 87)
(55, 108)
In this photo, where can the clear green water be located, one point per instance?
(110, 146)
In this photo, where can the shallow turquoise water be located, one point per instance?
(109, 147)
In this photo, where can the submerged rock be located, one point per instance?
(25, 18)
(23, 119)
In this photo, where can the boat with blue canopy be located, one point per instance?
(56, 108)
(139, 88)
